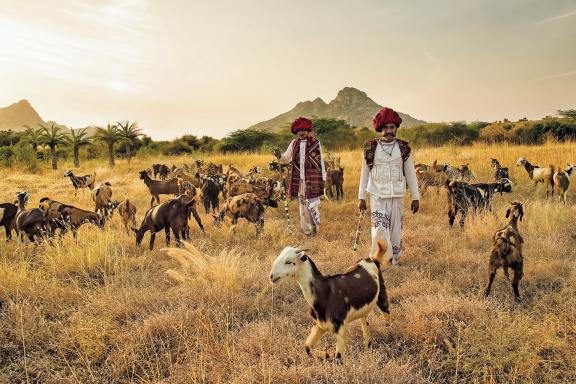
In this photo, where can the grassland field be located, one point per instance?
(101, 310)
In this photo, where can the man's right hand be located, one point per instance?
(362, 204)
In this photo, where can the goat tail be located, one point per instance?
(380, 255)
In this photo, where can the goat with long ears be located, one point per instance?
(337, 300)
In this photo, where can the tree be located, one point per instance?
(110, 136)
(76, 139)
(33, 137)
(569, 113)
(129, 133)
(52, 138)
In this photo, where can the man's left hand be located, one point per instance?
(415, 206)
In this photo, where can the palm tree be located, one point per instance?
(110, 136)
(76, 139)
(129, 133)
(33, 137)
(53, 138)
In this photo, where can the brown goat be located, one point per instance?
(127, 212)
(247, 206)
(63, 216)
(507, 250)
(102, 197)
(335, 180)
(159, 187)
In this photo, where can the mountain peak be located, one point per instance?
(16, 115)
(350, 104)
(350, 92)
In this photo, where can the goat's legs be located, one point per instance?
(490, 281)
(259, 227)
(366, 334)
(515, 283)
(341, 342)
(167, 232)
(312, 339)
(152, 238)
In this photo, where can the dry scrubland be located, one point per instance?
(102, 310)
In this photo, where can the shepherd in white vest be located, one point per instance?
(387, 166)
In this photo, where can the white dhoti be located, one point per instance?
(309, 211)
(386, 224)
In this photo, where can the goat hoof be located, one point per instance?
(338, 359)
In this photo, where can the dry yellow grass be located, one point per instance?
(102, 310)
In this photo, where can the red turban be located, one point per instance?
(301, 123)
(386, 116)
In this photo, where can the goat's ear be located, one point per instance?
(303, 258)
(508, 213)
(134, 229)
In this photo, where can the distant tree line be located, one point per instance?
(125, 139)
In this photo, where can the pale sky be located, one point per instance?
(211, 67)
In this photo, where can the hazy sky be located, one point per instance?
(211, 67)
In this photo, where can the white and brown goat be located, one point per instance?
(337, 300)
(539, 175)
(86, 181)
(561, 181)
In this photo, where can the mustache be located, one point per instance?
(390, 134)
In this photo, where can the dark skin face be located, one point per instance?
(388, 135)
(302, 134)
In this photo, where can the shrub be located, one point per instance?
(6, 156)
(27, 156)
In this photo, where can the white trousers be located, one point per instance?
(309, 211)
(386, 224)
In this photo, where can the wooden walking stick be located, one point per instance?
(357, 237)
(286, 211)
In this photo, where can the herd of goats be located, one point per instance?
(247, 196)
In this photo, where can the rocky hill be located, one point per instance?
(351, 105)
(17, 115)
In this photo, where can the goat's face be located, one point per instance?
(516, 210)
(505, 186)
(288, 264)
(521, 162)
(570, 169)
(144, 174)
(68, 173)
(22, 198)
(139, 235)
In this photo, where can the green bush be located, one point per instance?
(6, 156)
(26, 156)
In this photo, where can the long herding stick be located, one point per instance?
(357, 237)
(286, 211)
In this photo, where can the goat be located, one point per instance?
(561, 181)
(29, 221)
(210, 193)
(335, 180)
(337, 300)
(539, 175)
(247, 206)
(102, 197)
(430, 178)
(500, 172)
(170, 215)
(8, 218)
(463, 196)
(127, 212)
(63, 216)
(163, 172)
(159, 187)
(86, 181)
(507, 250)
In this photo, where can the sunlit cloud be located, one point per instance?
(556, 18)
(558, 75)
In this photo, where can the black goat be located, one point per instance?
(500, 172)
(8, 218)
(170, 215)
(86, 181)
